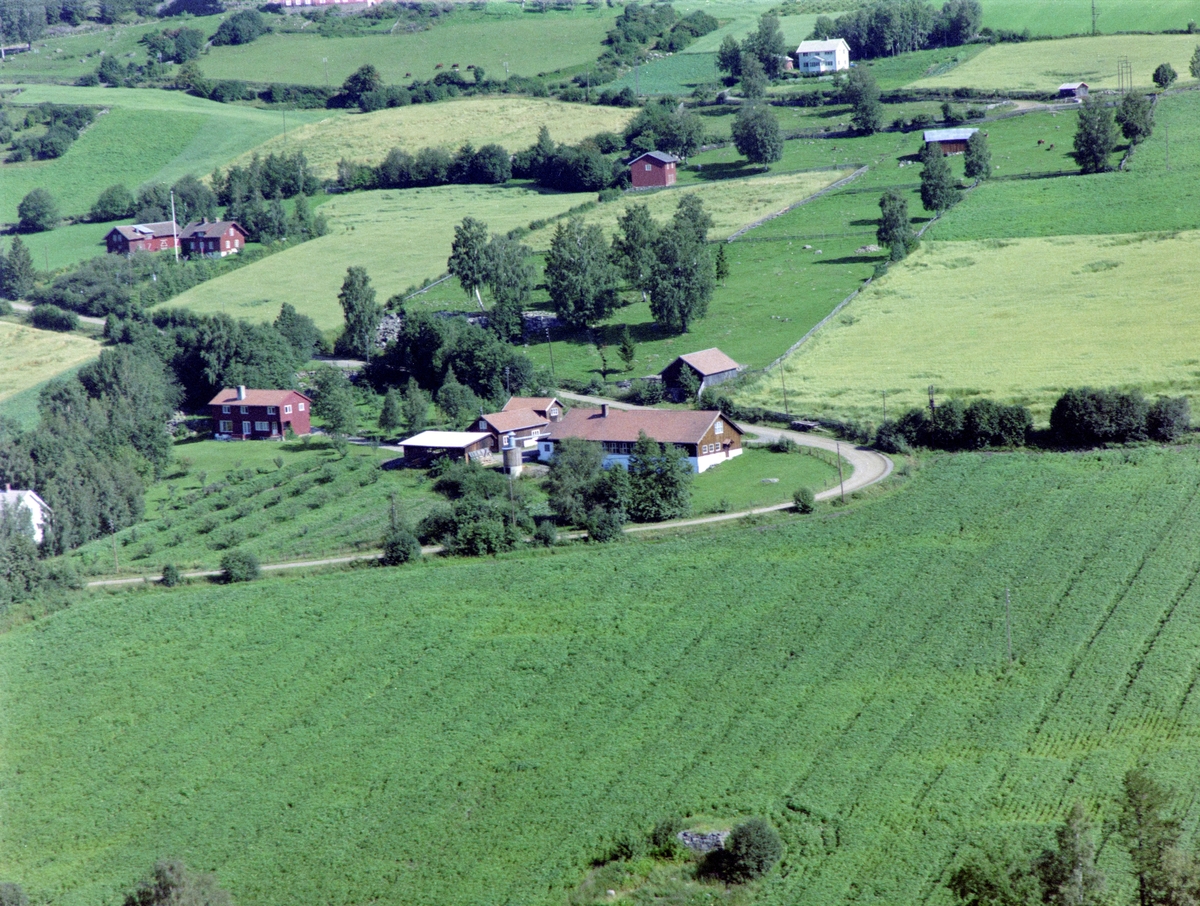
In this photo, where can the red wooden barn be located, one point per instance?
(653, 170)
(212, 239)
(142, 237)
(242, 414)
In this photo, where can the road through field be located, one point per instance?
(867, 467)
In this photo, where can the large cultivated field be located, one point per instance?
(401, 238)
(509, 121)
(1036, 65)
(1074, 17)
(529, 43)
(1020, 320)
(415, 737)
(146, 135)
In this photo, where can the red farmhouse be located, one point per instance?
(212, 240)
(653, 169)
(142, 237)
(242, 414)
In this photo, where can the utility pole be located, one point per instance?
(783, 383)
(885, 407)
(1008, 623)
(1093, 17)
(174, 227)
(841, 480)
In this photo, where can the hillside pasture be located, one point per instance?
(1016, 320)
(29, 357)
(530, 43)
(510, 121)
(370, 736)
(1074, 17)
(401, 237)
(146, 135)
(1043, 67)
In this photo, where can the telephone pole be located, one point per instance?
(783, 383)
(174, 227)
(1094, 17)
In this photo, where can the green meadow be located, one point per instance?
(760, 477)
(374, 735)
(29, 357)
(529, 43)
(145, 135)
(1074, 17)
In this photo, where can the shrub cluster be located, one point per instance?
(1085, 417)
(487, 514)
(51, 317)
(955, 425)
(63, 124)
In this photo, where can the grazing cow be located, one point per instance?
(1051, 148)
(407, 75)
(1041, 141)
(439, 65)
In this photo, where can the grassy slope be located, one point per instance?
(147, 135)
(1074, 17)
(529, 42)
(401, 238)
(509, 121)
(1041, 66)
(417, 737)
(746, 481)
(29, 357)
(1016, 319)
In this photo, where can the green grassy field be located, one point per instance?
(1020, 320)
(1092, 60)
(1074, 17)
(509, 121)
(530, 43)
(372, 736)
(30, 357)
(401, 238)
(745, 482)
(146, 135)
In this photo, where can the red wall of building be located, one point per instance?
(657, 174)
(277, 422)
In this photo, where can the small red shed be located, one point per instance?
(653, 169)
(214, 239)
(142, 237)
(241, 414)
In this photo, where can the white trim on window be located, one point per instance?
(720, 427)
(301, 407)
(287, 410)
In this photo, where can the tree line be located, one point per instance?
(889, 27)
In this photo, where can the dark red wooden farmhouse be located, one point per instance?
(242, 414)
(214, 239)
(142, 237)
(653, 170)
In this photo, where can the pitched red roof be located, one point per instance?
(710, 361)
(667, 426)
(514, 420)
(229, 397)
(206, 229)
(136, 231)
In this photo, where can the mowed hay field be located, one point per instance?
(530, 43)
(1074, 17)
(414, 737)
(29, 356)
(401, 238)
(512, 122)
(145, 135)
(1019, 320)
(1044, 67)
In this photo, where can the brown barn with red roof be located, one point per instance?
(707, 437)
(212, 239)
(709, 366)
(142, 237)
(241, 414)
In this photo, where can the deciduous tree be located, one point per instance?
(660, 481)
(1150, 832)
(510, 277)
(580, 274)
(362, 313)
(114, 203)
(467, 256)
(756, 134)
(626, 348)
(682, 278)
(863, 95)
(894, 229)
(1068, 873)
(1135, 116)
(978, 159)
(18, 271)
(938, 192)
(335, 403)
(1095, 136)
(1165, 75)
(37, 212)
(633, 246)
(415, 407)
(391, 417)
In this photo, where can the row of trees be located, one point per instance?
(1096, 134)
(1066, 874)
(889, 27)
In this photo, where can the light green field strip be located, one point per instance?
(732, 203)
(400, 237)
(1018, 320)
(1074, 17)
(29, 356)
(146, 135)
(529, 43)
(509, 121)
(1041, 66)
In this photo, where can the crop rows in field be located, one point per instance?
(375, 736)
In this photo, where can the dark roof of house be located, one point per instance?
(947, 135)
(136, 231)
(514, 420)
(229, 397)
(668, 426)
(709, 361)
(205, 229)
(660, 156)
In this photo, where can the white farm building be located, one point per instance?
(822, 56)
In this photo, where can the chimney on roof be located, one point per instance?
(604, 410)
(241, 391)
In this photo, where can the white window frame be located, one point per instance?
(224, 410)
(271, 410)
(262, 427)
(287, 410)
(301, 407)
(719, 428)
(648, 168)
(225, 427)
(245, 410)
